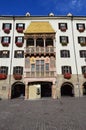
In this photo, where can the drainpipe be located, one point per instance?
(75, 55)
(9, 92)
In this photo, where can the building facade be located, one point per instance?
(42, 56)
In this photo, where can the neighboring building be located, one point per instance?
(42, 56)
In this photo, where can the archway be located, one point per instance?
(84, 88)
(45, 89)
(67, 89)
(18, 89)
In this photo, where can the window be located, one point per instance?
(66, 69)
(19, 54)
(63, 26)
(42, 65)
(49, 42)
(32, 67)
(82, 53)
(19, 39)
(18, 70)
(40, 42)
(82, 41)
(39, 65)
(6, 39)
(30, 42)
(65, 53)
(4, 54)
(6, 27)
(3, 70)
(47, 66)
(20, 27)
(80, 27)
(83, 69)
(64, 40)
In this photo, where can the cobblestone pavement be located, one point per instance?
(46, 114)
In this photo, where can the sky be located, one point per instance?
(43, 7)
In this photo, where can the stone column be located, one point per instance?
(54, 91)
(26, 91)
(9, 92)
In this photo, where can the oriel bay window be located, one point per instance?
(5, 41)
(17, 72)
(19, 41)
(64, 40)
(4, 54)
(7, 27)
(80, 27)
(3, 72)
(20, 27)
(66, 71)
(63, 26)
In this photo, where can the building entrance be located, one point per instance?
(67, 89)
(46, 89)
(18, 90)
(40, 89)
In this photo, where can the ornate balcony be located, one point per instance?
(40, 74)
(3, 76)
(40, 50)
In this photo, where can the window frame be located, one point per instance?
(79, 28)
(66, 69)
(4, 54)
(63, 26)
(64, 53)
(4, 70)
(83, 68)
(82, 53)
(18, 70)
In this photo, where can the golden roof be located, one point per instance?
(39, 27)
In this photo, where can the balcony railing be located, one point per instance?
(40, 50)
(40, 74)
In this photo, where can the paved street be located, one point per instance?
(46, 114)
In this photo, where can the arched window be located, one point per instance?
(30, 42)
(49, 42)
(40, 42)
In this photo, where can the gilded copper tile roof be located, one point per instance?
(39, 27)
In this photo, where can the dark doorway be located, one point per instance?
(67, 90)
(46, 89)
(84, 89)
(18, 90)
